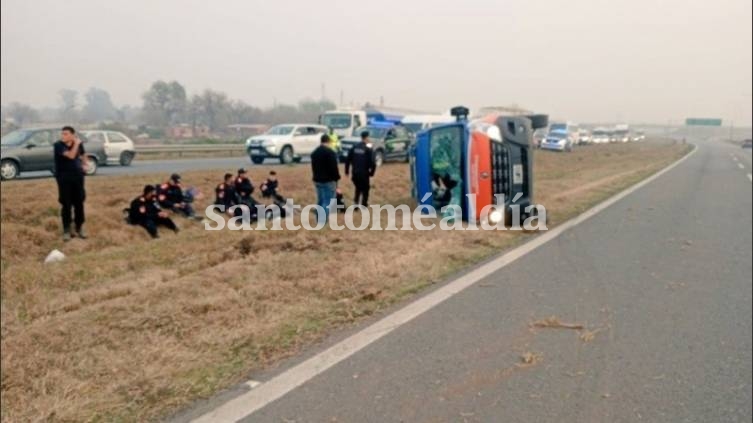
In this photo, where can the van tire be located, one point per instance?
(257, 160)
(126, 158)
(93, 164)
(378, 158)
(286, 155)
(9, 170)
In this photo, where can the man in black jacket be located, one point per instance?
(146, 212)
(361, 158)
(170, 196)
(326, 173)
(70, 166)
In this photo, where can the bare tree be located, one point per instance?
(22, 114)
(68, 104)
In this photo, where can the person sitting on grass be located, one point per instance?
(269, 188)
(146, 212)
(171, 197)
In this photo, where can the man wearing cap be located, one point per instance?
(244, 188)
(326, 173)
(361, 159)
(170, 196)
(145, 212)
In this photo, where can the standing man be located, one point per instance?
(326, 173)
(334, 141)
(361, 158)
(70, 166)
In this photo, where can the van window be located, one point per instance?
(114, 137)
(96, 137)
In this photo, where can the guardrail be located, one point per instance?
(189, 149)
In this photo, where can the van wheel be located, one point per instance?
(378, 158)
(286, 155)
(8, 170)
(257, 159)
(126, 158)
(91, 169)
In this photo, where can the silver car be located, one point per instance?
(119, 149)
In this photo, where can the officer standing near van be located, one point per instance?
(361, 159)
(70, 166)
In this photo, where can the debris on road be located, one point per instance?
(529, 359)
(554, 323)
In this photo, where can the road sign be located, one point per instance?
(703, 122)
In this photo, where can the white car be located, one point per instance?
(557, 141)
(584, 137)
(119, 148)
(288, 142)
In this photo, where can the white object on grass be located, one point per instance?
(55, 255)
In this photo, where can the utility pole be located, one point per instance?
(342, 96)
(324, 91)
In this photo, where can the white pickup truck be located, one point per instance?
(288, 142)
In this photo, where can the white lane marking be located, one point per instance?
(273, 389)
(750, 177)
(734, 157)
(252, 383)
(740, 165)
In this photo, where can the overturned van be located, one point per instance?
(471, 165)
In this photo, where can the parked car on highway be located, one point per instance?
(584, 137)
(27, 150)
(600, 136)
(638, 136)
(288, 143)
(389, 141)
(557, 141)
(119, 148)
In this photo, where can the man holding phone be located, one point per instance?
(70, 167)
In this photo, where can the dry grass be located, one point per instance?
(128, 329)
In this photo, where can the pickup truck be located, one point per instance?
(389, 141)
(28, 150)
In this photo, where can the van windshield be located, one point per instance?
(558, 127)
(337, 120)
(14, 138)
(377, 133)
(280, 130)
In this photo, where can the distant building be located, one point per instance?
(185, 130)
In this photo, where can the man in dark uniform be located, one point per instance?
(70, 166)
(269, 188)
(244, 188)
(145, 212)
(170, 197)
(224, 194)
(361, 159)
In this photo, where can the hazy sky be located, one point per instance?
(585, 60)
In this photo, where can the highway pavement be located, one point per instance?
(661, 282)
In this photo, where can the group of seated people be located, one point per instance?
(153, 207)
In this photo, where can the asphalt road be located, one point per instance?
(662, 278)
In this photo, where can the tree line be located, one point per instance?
(164, 104)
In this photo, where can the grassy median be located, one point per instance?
(128, 329)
